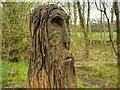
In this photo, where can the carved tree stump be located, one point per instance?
(51, 63)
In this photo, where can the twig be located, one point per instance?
(110, 36)
(97, 7)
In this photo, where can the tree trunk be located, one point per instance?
(0, 33)
(83, 15)
(71, 25)
(104, 29)
(88, 30)
(118, 37)
(83, 30)
(118, 30)
(51, 62)
(75, 31)
(69, 8)
(101, 25)
(112, 16)
(75, 16)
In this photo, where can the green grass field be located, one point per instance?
(96, 35)
(98, 71)
(14, 74)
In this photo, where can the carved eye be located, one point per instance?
(57, 21)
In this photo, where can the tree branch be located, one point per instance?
(97, 7)
(108, 22)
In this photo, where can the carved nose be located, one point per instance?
(66, 28)
(67, 17)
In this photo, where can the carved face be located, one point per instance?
(58, 29)
(51, 63)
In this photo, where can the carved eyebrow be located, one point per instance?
(53, 16)
(60, 13)
(57, 21)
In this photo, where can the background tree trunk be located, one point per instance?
(85, 33)
(101, 25)
(75, 13)
(88, 30)
(104, 29)
(112, 16)
(118, 37)
(0, 32)
(118, 30)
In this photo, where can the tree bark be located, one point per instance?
(118, 30)
(104, 29)
(88, 30)
(81, 17)
(75, 16)
(108, 22)
(51, 62)
(77, 41)
(118, 37)
(1, 34)
(112, 16)
(101, 25)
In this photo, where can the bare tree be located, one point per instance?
(117, 52)
(88, 29)
(101, 23)
(118, 36)
(0, 31)
(75, 13)
(85, 33)
(83, 14)
(112, 16)
(83, 11)
(104, 29)
(108, 22)
(69, 8)
(118, 30)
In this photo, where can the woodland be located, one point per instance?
(94, 41)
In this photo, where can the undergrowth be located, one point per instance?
(98, 71)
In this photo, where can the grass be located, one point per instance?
(98, 71)
(14, 74)
(98, 35)
(81, 84)
(78, 43)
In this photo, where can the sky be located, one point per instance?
(95, 14)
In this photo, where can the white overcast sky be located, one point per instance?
(94, 13)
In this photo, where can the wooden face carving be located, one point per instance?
(58, 29)
(51, 63)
